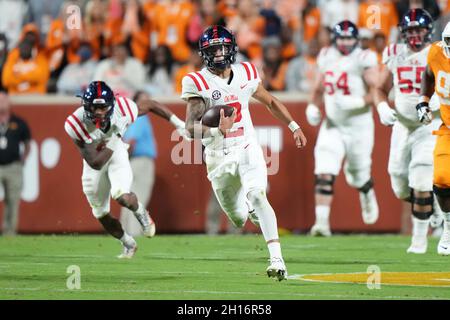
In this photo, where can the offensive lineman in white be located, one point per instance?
(412, 144)
(96, 128)
(234, 159)
(348, 129)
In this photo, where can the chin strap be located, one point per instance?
(98, 123)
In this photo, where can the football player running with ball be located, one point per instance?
(411, 159)
(235, 162)
(97, 128)
(348, 128)
(436, 79)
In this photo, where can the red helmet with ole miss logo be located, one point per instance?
(214, 38)
(98, 95)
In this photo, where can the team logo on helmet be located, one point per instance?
(217, 47)
(98, 95)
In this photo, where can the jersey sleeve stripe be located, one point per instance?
(389, 50)
(395, 49)
(203, 80)
(74, 129)
(197, 84)
(81, 126)
(246, 70)
(255, 75)
(129, 110)
(121, 107)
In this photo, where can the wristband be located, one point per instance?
(177, 122)
(293, 126)
(424, 99)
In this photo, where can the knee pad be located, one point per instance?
(325, 186)
(256, 197)
(367, 186)
(427, 201)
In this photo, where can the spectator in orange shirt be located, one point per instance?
(26, 70)
(171, 21)
(386, 23)
(195, 63)
(274, 68)
(249, 28)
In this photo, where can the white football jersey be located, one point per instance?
(124, 114)
(236, 93)
(343, 75)
(407, 67)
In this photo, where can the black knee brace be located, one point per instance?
(367, 186)
(441, 192)
(321, 183)
(428, 201)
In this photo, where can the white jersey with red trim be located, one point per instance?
(407, 67)
(124, 114)
(236, 93)
(343, 76)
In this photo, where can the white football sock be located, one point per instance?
(274, 249)
(447, 220)
(267, 218)
(420, 227)
(322, 215)
(127, 240)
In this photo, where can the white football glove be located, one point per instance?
(387, 114)
(424, 112)
(313, 114)
(348, 102)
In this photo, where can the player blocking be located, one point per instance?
(347, 129)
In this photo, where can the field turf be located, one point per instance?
(203, 267)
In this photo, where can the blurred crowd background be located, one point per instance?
(58, 46)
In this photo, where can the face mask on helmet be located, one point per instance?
(218, 56)
(346, 45)
(99, 113)
(416, 38)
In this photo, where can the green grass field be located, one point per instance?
(202, 267)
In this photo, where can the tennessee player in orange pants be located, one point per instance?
(436, 79)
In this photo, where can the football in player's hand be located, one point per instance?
(211, 118)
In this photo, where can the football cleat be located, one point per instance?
(128, 252)
(369, 207)
(147, 223)
(277, 269)
(418, 245)
(444, 243)
(320, 231)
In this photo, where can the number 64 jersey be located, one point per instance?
(343, 77)
(235, 91)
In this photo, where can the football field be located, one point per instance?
(221, 267)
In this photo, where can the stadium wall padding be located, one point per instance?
(181, 192)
